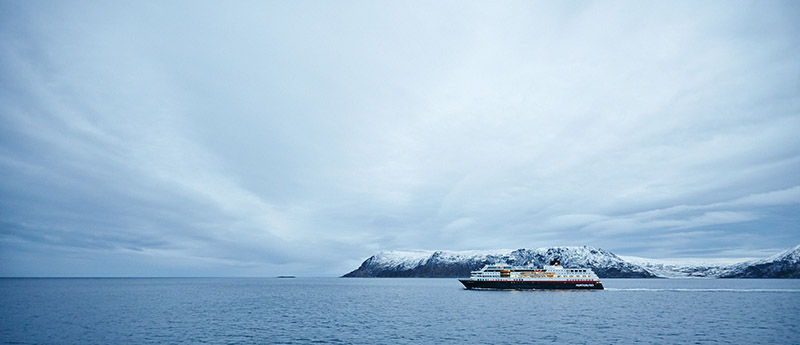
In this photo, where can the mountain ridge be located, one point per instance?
(451, 264)
(785, 264)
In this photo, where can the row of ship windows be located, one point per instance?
(545, 276)
(519, 280)
(570, 276)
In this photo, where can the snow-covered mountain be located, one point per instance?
(460, 263)
(680, 269)
(785, 264)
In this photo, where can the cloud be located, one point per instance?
(571, 220)
(274, 137)
(685, 216)
(459, 224)
(787, 196)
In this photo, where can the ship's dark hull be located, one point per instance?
(530, 285)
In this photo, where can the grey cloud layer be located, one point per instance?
(260, 138)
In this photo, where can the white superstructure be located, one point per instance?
(546, 273)
(553, 276)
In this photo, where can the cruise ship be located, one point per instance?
(552, 276)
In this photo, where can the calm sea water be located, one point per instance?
(394, 311)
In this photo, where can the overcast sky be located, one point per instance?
(152, 138)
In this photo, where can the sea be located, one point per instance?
(394, 311)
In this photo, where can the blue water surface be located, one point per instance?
(394, 311)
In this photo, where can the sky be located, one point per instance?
(258, 138)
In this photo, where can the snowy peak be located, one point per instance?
(604, 263)
(677, 269)
(791, 254)
(460, 263)
(401, 259)
(442, 263)
(785, 264)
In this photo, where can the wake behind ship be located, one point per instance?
(552, 276)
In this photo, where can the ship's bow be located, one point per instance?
(468, 283)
